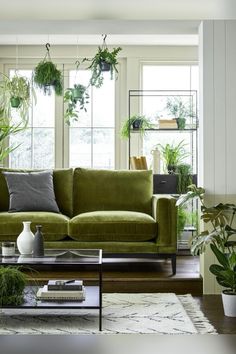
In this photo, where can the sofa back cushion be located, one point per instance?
(112, 190)
(63, 186)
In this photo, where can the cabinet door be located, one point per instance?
(167, 184)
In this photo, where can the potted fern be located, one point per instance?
(104, 60)
(137, 122)
(221, 217)
(46, 75)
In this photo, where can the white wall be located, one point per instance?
(217, 58)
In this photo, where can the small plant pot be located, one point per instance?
(181, 122)
(171, 169)
(229, 303)
(104, 66)
(15, 102)
(137, 124)
(77, 93)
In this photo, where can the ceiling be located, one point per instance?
(127, 22)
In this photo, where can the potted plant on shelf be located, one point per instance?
(137, 122)
(173, 155)
(221, 217)
(46, 75)
(12, 284)
(184, 177)
(179, 110)
(104, 60)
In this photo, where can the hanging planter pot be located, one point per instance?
(15, 102)
(46, 75)
(104, 66)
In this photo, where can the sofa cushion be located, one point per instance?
(63, 187)
(54, 226)
(31, 191)
(112, 226)
(112, 190)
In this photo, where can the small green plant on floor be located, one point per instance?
(12, 284)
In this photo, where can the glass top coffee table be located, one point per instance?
(55, 258)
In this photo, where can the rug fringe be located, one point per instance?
(192, 308)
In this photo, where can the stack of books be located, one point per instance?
(168, 124)
(138, 163)
(62, 290)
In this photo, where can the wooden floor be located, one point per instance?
(148, 275)
(139, 275)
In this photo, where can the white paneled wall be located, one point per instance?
(217, 60)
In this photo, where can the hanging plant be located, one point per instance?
(104, 60)
(15, 93)
(46, 75)
(76, 98)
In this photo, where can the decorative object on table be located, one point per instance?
(8, 249)
(46, 75)
(221, 217)
(181, 110)
(69, 284)
(138, 163)
(172, 155)
(104, 60)
(38, 244)
(12, 284)
(25, 240)
(60, 295)
(135, 123)
(76, 98)
(156, 160)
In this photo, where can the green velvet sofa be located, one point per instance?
(112, 210)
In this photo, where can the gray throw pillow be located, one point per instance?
(31, 191)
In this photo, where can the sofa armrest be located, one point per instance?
(164, 212)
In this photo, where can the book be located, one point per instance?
(168, 124)
(138, 163)
(68, 295)
(65, 285)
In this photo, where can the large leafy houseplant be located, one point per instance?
(136, 123)
(104, 60)
(46, 75)
(221, 218)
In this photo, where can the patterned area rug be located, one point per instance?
(158, 313)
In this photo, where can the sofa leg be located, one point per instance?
(173, 263)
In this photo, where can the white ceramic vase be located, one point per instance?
(26, 239)
(229, 303)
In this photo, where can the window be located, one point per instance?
(36, 144)
(92, 138)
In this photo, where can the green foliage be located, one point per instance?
(46, 75)
(76, 99)
(173, 155)
(103, 55)
(184, 178)
(143, 122)
(16, 88)
(181, 221)
(178, 108)
(12, 284)
(221, 218)
(6, 130)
